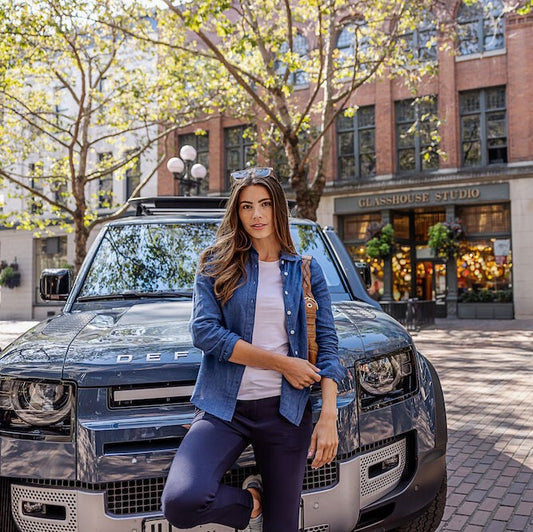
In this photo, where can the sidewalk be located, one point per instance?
(10, 330)
(486, 372)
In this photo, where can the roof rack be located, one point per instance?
(170, 204)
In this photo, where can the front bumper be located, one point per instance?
(362, 480)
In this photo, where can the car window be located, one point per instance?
(147, 258)
(162, 258)
(308, 241)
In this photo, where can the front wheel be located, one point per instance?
(431, 518)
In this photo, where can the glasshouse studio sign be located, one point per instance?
(417, 198)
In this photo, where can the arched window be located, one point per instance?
(353, 48)
(297, 77)
(346, 41)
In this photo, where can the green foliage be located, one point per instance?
(9, 275)
(258, 49)
(381, 245)
(487, 296)
(445, 238)
(74, 87)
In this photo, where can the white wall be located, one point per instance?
(325, 211)
(16, 303)
(522, 245)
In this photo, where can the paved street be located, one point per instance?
(486, 373)
(485, 368)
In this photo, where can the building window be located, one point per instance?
(300, 46)
(353, 49)
(356, 144)
(36, 183)
(105, 183)
(480, 27)
(201, 144)
(346, 42)
(49, 253)
(483, 127)
(416, 135)
(484, 266)
(60, 108)
(240, 151)
(132, 174)
(422, 42)
(486, 219)
(356, 229)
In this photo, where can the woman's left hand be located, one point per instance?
(324, 441)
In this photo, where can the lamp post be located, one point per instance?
(187, 174)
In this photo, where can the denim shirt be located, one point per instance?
(216, 328)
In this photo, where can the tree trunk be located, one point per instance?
(81, 235)
(307, 200)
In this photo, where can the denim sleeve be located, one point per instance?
(326, 336)
(207, 322)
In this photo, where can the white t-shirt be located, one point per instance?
(269, 333)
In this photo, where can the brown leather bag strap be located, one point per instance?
(311, 307)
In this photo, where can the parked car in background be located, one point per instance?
(95, 401)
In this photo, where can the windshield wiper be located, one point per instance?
(138, 294)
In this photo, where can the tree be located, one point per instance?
(80, 102)
(265, 48)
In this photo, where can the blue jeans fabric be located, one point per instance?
(194, 494)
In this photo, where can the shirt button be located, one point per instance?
(296, 353)
(285, 273)
(286, 293)
(282, 262)
(289, 313)
(292, 331)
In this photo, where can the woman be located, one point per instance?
(254, 380)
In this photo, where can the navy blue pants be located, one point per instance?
(194, 494)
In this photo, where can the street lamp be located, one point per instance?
(187, 174)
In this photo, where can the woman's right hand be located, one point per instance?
(299, 373)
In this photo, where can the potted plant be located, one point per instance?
(380, 245)
(486, 304)
(9, 275)
(444, 238)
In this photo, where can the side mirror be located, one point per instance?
(54, 284)
(363, 269)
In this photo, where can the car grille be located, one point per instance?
(144, 495)
(141, 496)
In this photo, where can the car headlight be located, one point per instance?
(386, 379)
(380, 376)
(30, 404)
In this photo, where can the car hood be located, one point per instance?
(143, 342)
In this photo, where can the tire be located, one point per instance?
(431, 518)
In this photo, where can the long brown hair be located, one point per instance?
(225, 260)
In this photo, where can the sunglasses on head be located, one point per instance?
(254, 171)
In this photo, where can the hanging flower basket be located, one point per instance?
(380, 245)
(445, 238)
(9, 275)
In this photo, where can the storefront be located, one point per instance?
(482, 271)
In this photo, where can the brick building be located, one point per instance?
(378, 171)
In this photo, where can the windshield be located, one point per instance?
(160, 260)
